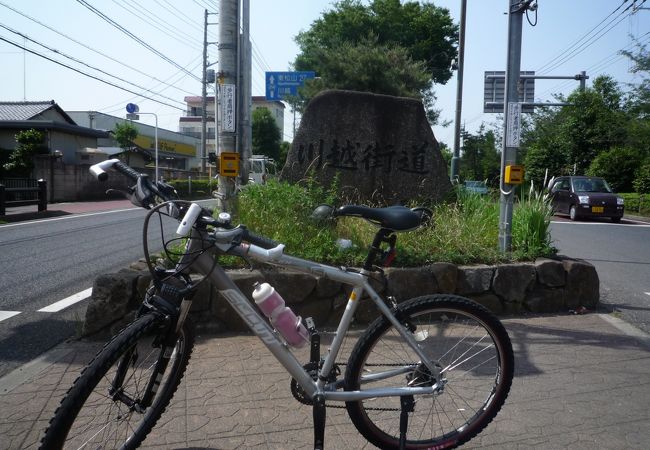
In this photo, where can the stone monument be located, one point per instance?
(380, 147)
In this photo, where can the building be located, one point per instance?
(176, 151)
(190, 124)
(64, 138)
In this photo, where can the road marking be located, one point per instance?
(71, 216)
(637, 223)
(7, 314)
(68, 301)
(647, 293)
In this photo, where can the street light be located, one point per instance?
(133, 113)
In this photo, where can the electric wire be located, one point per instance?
(135, 38)
(24, 36)
(559, 55)
(566, 57)
(152, 20)
(90, 48)
(34, 52)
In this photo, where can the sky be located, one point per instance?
(154, 49)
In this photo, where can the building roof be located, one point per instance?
(17, 111)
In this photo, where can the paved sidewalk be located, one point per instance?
(582, 382)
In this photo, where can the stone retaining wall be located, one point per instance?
(545, 286)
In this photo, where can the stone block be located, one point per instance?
(111, 299)
(490, 301)
(380, 148)
(543, 299)
(550, 272)
(405, 284)
(582, 284)
(294, 287)
(512, 280)
(446, 275)
(474, 279)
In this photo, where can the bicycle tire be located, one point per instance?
(88, 415)
(476, 357)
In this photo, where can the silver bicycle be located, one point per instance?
(430, 372)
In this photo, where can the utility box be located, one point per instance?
(514, 174)
(229, 164)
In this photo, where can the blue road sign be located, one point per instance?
(132, 108)
(280, 85)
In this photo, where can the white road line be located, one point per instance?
(7, 314)
(71, 216)
(647, 293)
(62, 304)
(638, 223)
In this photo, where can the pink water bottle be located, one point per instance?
(282, 317)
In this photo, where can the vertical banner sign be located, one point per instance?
(514, 124)
(228, 118)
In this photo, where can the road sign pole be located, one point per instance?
(516, 9)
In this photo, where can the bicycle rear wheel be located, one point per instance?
(103, 408)
(474, 353)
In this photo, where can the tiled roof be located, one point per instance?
(23, 110)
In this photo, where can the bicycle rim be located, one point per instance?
(471, 348)
(99, 412)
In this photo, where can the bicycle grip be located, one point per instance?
(126, 170)
(258, 240)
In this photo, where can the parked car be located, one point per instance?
(584, 197)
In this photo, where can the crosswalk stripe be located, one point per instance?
(62, 304)
(7, 314)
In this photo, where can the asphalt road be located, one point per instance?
(46, 261)
(621, 255)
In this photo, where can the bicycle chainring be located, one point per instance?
(312, 369)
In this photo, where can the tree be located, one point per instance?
(642, 180)
(266, 134)
(125, 133)
(420, 35)
(30, 143)
(618, 166)
(480, 159)
(594, 121)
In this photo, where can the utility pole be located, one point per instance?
(453, 176)
(245, 97)
(204, 94)
(512, 120)
(227, 73)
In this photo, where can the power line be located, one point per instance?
(580, 39)
(593, 41)
(24, 36)
(135, 38)
(15, 44)
(89, 48)
(152, 19)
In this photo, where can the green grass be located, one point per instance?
(464, 231)
(636, 204)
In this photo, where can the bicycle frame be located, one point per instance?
(205, 265)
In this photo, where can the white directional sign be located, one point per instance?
(514, 124)
(228, 117)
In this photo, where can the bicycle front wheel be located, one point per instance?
(108, 405)
(471, 348)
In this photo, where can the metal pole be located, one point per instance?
(228, 39)
(156, 144)
(512, 111)
(204, 93)
(246, 146)
(453, 176)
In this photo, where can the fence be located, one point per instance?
(22, 192)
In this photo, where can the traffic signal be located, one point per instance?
(212, 158)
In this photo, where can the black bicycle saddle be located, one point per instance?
(396, 218)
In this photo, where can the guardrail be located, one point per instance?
(22, 192)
